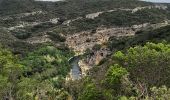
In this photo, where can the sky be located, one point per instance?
(49, 0)
(164, 1)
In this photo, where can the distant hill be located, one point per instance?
(69, 8)
(26, 19)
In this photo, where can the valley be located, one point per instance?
(84, 50)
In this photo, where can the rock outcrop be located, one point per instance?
(87, 39)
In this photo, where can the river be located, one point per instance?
(75, 72)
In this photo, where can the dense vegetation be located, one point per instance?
(38, 75)
(122, 19)
(12, 10)
(132, 74)
(138, 68)
(69, 8)
(141, 37)
(138, 72)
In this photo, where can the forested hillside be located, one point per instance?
(84, 50)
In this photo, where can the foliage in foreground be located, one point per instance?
(39, 75)
(139, 73)
(149, 64)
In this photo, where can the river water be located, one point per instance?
(75, 72)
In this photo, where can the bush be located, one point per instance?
(149, 64)
(48, 62)
(114, 75)
(22, 34)
(90, 91)
(56, 37)
(96, 47)
(161, 93)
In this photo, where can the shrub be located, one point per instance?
(114, 75)
(149, 64)
(22, 34)
(96, 47)
(56, 37)
(90, 93)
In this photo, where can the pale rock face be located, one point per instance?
(22, 15)
(140, 26)
(54, 20)
(87, 63)
(15, 27)
(27, 24)
(84, 40)
(80, 42)
(67, 22)
(32, 13)
(37, 40)
(93, 15)
(84, 67)
(163, 7)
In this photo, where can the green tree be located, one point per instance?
(90, 93)
(149, 64)
(88, 90)
(114, 75)
(10, 71)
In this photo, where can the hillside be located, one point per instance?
(84, 50)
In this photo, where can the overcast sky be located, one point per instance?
(48, 0)
(167, 1)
